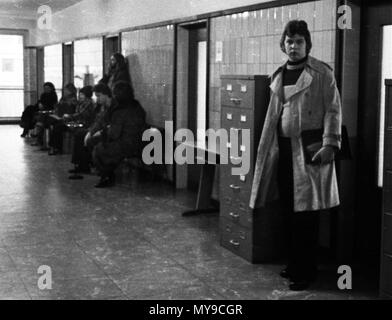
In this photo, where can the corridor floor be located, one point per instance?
(126, 242)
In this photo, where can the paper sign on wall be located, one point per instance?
(219, 51)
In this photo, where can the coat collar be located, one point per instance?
(304, 81)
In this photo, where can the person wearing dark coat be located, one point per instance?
(47, 101)
(81, 153)
(118, 71)
(56, 122)
(125, 123)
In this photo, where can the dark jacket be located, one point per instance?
(122, 136)
(126, 126)
(84, 113)
(48, 100)
(115, 76)
(66, 105)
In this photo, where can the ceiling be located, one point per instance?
(28, 8)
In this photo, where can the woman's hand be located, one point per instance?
(324, 155)
(87, 138)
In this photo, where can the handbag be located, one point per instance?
(312, 141)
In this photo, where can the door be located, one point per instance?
(197, 94)
(111, 46)
(11, 76)
(386, 243)
(373, 208)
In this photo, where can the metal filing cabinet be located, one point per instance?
(255, 236)
(386, 245)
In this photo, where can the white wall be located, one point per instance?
(93, 17)
(12, 23)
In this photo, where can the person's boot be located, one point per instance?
(24, 133)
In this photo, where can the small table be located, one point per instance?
(206, 179)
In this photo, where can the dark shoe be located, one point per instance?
(76, 177)
(299, 285)
(105, 182)
(75, 170)
(285, 273)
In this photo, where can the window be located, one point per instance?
(11, 75)
(53, 66)
(88, 60)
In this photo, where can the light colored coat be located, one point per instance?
(316, 104)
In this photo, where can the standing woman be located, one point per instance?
(46, 102)
(118, 71)
(304, 111)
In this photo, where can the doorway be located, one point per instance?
(376, 41)
(192, 92)
(11, 76)
(111, 46)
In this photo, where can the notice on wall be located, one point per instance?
(219, 51)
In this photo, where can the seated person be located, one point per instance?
(46, 102)
(121, 137)
(81, 153)
(56, 121)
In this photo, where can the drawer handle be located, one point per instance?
(228, 229)
(234, 243)
(229, 116)
(236, 100)
(243, 118)
(235, 188)
(242, 236)
(234, 215)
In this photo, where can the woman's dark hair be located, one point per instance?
(102, 88)
(50, 85)
(71, 88)
(123, 92)
(294, 27)
(121, 62)
(87, 91)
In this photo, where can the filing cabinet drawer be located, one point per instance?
(235, 192)
(236, 118)
(386, 274)
(237, 212)
(235, 185)
(238, 93)
(236, 238)
(387, 241)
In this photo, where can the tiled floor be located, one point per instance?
(128, 242)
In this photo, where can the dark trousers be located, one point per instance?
(57, 134)
(302, 227)
(81, 155)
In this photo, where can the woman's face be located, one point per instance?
(82, 97)
(113, 61)
(47, 89)
(295, 47)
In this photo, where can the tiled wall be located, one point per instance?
(248, 43)
(150, 57)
